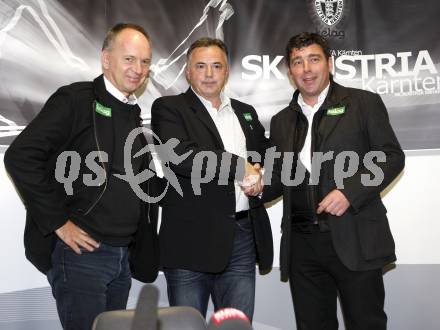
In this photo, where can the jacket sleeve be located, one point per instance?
(260, 144)
(28, 162)
(381, 138)
(168, 123)
(274, 188)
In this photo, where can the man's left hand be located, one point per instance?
(334, 203)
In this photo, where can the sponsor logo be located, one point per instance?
(103, 110)
(335, 111)
(247, 116)
(399, 74)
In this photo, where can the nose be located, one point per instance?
(306, 66)
(208, 71)
(137, 67)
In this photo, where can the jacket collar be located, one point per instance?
(103, 125)
(110, 88)
(247, 125)
(202, 113)
(337, 96)
(199, 109)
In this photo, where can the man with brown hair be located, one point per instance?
(336, 237)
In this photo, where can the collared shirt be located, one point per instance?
(309, 111)
(131, 99)
(232, 137)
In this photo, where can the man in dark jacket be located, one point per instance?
(336, 236)
(211, 234)
(82, 218)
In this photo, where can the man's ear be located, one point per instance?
(330, 64)
(105, 59)
(227, 74)
(187, 74)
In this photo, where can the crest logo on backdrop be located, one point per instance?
(329, 11)
(329, 17)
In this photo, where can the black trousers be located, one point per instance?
(317, 276)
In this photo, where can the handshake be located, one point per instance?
(252, 183)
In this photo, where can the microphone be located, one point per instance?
(229, 319)
(145, 315)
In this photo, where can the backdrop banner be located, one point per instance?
(388, 47)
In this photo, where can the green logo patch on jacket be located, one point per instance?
(103, 110)
(337, 111)
(247, 116)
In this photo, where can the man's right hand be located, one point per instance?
(75, 237)
(254, 176)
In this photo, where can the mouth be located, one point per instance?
(209, 83)
(134, 80)
(309, 80)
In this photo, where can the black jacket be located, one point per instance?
(362, 236)
(31, 161)
(197, 231)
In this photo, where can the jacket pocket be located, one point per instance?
(375, 238)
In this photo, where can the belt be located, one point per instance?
(241, 215)
(310, 227)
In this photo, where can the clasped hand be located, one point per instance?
(252, 184)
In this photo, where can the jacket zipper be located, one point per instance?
(95, 133)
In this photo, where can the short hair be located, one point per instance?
(305, 39)
(207, 42)
(118, 28)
